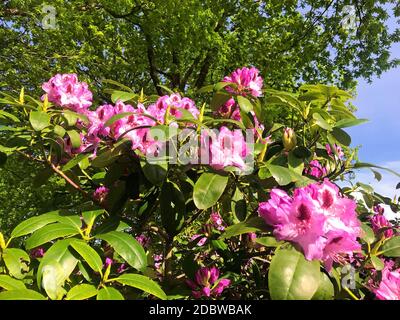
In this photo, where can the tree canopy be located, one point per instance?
(185, 44)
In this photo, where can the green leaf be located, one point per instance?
(117, 117)
(53, 278)
(267, 241)
(155, 173)
(244, 104)
(219, 99)
(341, 136)
(172, 207)
(325, 290)
(75, 161)
(391, 248)
(108, 293)
(368, 234)
(81, 292)
(143, 283)
(39, 120)
(377, 263)
(58, 253)
(75, 138)
(127, 247)
(90, 255)
(21, 294)
(49, 233)
(8, 283)
(208, 189)
(58, 130)
(292, 277)
(219, 244)
(16, 261)
(360, 165)
(345, 123)
(282, 175)
(251, 225)
(90, 216)
(123, 96)
(33, 224)
(321, 122)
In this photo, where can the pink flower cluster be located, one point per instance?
(207, 283)
(315, 169)
(317, 218)
(217, 221)
(247, 81)
(224, 148)
(176, 103)
(379, 222)
(100, 194)
(65, 90)
(389, 286)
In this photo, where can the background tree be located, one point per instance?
(188, 43)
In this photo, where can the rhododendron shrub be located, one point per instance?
(236, 192)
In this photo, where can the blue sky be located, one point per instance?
(380, 138)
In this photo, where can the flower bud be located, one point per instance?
(289, 139)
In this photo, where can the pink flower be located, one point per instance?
(65, 90)
(226, 148)
(389, 287)
(122, 268)
(378, 222)
(315, 169)
(176, 104)
(247, 80)
(143, 240)
(200, 242)
(321, 221)
(217, 221)
(37, 252)
(98, 119)
(158, 260)
(338, 150)
(206, 283)
(100, 194)
(108, 262)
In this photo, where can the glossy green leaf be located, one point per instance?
(155, 173)
(367, 234)
(321, 122)
(253, 224)
(123, 96)
(16, 261)
(108, 293)
(90, 256)
(8, 283)
(58, 253)
(325, 289)
(81, 292)
(39, 120)
(391, 248)
(75, 138)
(377, 263)
(341, 136)
(32, 224)
(21, 294)
(282, 175)
(292, 277)
(143, 283)
(267, 241)
(127, 247)
(49, 233)
(53, 278)
(244, 104)
(345, 123)
(208, 189)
